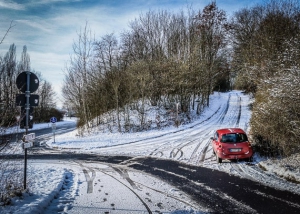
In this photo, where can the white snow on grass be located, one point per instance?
(287, 168)
(98, 139)
(44, 184)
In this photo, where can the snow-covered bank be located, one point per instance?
(97, 138)
(45, 183)
(287, 168)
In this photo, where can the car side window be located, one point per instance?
(216, 136)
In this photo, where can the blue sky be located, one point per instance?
(49, 27)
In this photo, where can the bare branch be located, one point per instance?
(7, 31)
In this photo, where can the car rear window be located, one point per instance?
(234, 138)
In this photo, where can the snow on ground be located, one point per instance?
(52, 179)
(45, 183)
(55, 188)
(97, 139)
(288, 168)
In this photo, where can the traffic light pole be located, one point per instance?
(27, 94)
(27, 82)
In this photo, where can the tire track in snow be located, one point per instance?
(201, 160)
(169, 195)
(159, 145)
(166, 134)
(240, 171)
(158, 150)
(234, 111)
(89, 179)
(203, 133)
(128, 187)
(124, 173)
(225, 110)
(193, 155)
(204, 150)
(240, 112)
(179, 149)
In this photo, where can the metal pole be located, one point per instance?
(177, 104)
(27, 95)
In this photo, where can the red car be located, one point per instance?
(231, 144)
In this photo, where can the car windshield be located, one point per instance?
(234, 138)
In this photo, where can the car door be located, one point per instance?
(214, 141)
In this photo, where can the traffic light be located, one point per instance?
(27, 82)
(23, 122)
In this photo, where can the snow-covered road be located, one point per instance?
(114, 185)
(192, 145)
(189, 144)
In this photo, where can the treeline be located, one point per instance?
(168, 58)
(10, 68)
(267, 57)
(164, 58)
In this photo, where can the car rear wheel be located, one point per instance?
(219, 160)
(250, 159)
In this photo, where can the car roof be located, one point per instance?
(230, 130)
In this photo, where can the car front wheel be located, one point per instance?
(219, 160)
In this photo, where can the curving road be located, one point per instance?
(181, 161)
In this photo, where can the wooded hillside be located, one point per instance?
(266, 57)
(171, 58)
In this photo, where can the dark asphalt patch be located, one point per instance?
(215, 185)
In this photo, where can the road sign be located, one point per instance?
(23, 110)
(22, 82)
(27, 145)
(21, 100)
(53, 120)
(28, 137)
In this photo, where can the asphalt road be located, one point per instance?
(215, 190)
(40, 134)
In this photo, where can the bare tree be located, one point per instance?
(165, 58)
(10, 171)
(46, 101)
(24, 64)
(77, 75)
(8, 73)
(212, 29)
